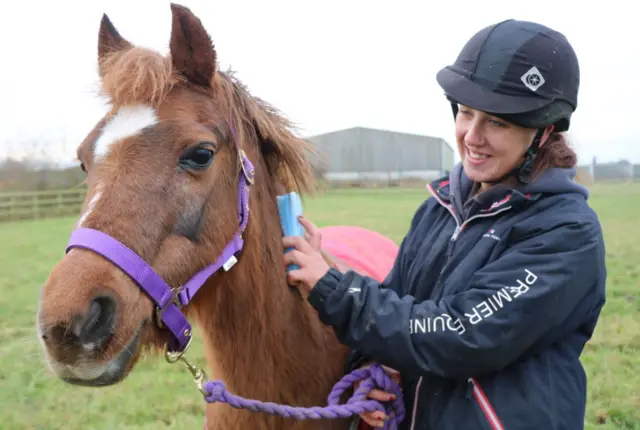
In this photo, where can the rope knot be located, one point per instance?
(216, 390)
(381, 379)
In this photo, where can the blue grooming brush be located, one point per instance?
(289, 208)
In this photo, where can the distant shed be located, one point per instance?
(360, 153)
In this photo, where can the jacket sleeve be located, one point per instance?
(357, 358)
(505, 308)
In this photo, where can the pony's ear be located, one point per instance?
(109, 40)
(192, 51)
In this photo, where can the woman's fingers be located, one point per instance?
(374, 419)
(380, 395)
(312, 233)
(390, 371)
(393, 374)
(377, 418)
(297, 242)
(295, 257)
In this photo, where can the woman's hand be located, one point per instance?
(377, 418)
(307, 255)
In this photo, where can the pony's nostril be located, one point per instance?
(97, 327)
(45, 334)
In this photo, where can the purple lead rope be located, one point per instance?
(371, 377)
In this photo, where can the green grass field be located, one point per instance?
(162, 396)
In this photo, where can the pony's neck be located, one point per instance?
(261, 336)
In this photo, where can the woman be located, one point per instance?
(501, 278)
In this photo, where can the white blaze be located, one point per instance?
(128, 121)
(90, 207)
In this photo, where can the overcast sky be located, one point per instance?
(326, 64)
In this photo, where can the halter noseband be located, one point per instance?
(167, 300)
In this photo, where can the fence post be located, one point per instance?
(36, 206)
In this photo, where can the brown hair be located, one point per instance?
(556, 152)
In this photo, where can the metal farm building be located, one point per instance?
(361, 154)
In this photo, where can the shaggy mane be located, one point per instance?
(287, 155)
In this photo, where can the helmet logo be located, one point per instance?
(532, 79)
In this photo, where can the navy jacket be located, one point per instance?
(487, 308)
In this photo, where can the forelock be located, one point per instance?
(136, 76)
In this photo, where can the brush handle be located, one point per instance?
(289, 208)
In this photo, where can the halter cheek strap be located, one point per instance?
(167, 300)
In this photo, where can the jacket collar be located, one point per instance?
(488, 202)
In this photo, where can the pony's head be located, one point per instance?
(170, 172)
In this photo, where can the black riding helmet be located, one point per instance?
(520, 71)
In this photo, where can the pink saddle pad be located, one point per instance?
(362, 250)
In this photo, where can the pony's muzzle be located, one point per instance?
(86, 332)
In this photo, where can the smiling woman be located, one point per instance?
(501, 278)
(491, 149)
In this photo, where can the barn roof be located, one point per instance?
(378, 130)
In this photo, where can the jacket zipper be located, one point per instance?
(457, 232)
(459, 226)
(485, 405)
(477, 391)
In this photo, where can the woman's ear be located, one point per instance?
(548, 130)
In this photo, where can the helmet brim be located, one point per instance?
(466, 92)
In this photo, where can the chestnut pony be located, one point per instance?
(183, 169)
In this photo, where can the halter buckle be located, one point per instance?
(248, 177)
(160, 311)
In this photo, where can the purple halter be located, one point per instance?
(168, 301)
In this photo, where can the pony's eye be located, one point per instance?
(199, 157)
